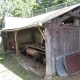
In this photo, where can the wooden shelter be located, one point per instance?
(62, 33)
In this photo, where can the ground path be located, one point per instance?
(6, 74)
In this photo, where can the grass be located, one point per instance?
(1, 56)
(13, 65)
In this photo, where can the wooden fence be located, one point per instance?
(67, 40)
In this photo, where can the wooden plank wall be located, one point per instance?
(67, 40)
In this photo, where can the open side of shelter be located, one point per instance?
(46, 36)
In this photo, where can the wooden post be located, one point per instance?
(16, 43)
(76, 22)
(48, 52)
(6, 39)
(51, 41)
(54, 42)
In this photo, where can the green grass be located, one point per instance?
(13, 65)
(1, 56)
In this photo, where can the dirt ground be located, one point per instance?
(11, 70)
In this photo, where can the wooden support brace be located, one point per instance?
(73, 15)
(41, 33)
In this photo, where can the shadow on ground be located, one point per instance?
(14, 67)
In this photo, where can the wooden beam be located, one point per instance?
(41, 33)
(64, 17)
(73, 15)
(16, 42)
(76, 18)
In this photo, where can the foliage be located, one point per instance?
(49, 3)
(44, 3)
(1, 56)
(20, 8)
(36, 6)
(59, 1)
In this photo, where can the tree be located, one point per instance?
(19, 8)
(36, 6)
(22, 8)
(59, 1)
(44, 3)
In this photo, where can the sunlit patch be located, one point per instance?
(1, 58)
(6, 74)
